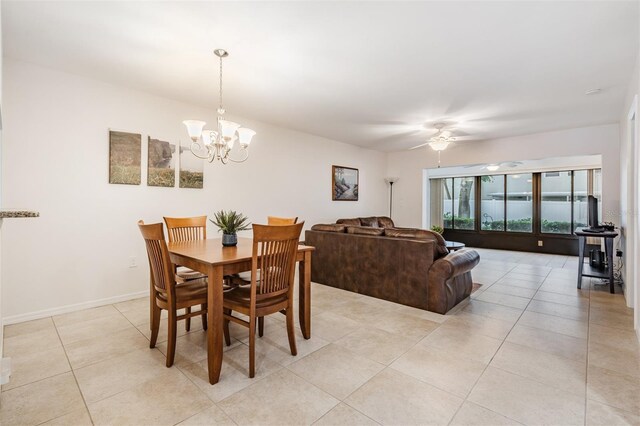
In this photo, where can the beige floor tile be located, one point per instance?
(420, 313)
(462, 343)
(559, 310)
(392, 397)
(566, 287)
(90, 327)
(165, 400)
(75, 418)
(275, 345)
(28, 327)
(613, 388)
(377, 345)
(331, 326)
(342, 414)
(556, 324)
(616, 359)
(443, 370)
(190, 348)
(336, 370)
(409, 326)
(84, 315)
(471, 414)
(614, 337)
(211, 416)
(541, 271)
(504, 299)
(101, 347)
(234, 375)
(563, 299)
(601, 298)
(25, 344)
(361, 311)
(106, 378)
(511, 282)
(163, 329)
(492, 310)
(525, 400)
(481, 325)
(547, 341)
(559, 372)
(512, 290)
(600, 414)
(280, 398)
(40, 401)
(37, 365)
(611, 318)
(524, 277)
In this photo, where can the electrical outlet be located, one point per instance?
(133, 262)
(540, 243)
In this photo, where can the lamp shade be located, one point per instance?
(439, 145)
(245, 135)
(228, 128)
(194, 128)
(209, 137)
(391, 179)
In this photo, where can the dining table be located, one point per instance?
(214, 260)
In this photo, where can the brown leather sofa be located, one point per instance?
(403, 265)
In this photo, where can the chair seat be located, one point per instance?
(185, 274)
(191, 290)
(241, 296)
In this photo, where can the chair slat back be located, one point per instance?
(277, 246)
(158, 253)
(275, 220)
(186, 228)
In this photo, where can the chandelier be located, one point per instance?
(218, 144)
(441, 140)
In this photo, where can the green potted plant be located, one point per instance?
(437, 228)
(230, 223)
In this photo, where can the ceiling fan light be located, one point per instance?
(493, 167)
(439, 145)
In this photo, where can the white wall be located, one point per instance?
(409, 166)
(56, 162)
(629, 190)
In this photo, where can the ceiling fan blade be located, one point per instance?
(419, 146)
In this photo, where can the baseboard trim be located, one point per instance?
(29, 316)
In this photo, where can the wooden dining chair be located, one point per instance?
(274, 257)
(186, 229)
(166, 293)
(275, 220)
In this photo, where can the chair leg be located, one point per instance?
(291, 332)
(203, 308)
(225, 327)
(171, 343)
(260, 326)
(252, 348)
(155, 324)
(187, 322)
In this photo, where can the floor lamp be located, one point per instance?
(391, 181)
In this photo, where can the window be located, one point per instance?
(492, 203)
(447, 208)
(520, 202)
(464, 203)
(580, 193)
(555, 203)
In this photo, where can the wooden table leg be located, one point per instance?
(581, 243)
(214, 323)
(608, 248)
(304, 307)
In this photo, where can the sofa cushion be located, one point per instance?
(365, 230)
(329, 227)
(385, 222)
(349, 222)
(369, 221)
(420, 234)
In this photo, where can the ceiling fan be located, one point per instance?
(440, 140)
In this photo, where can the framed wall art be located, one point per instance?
(191, 169)
(125, 151)
(344, 183)
(161, 168)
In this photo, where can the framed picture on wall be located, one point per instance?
(191, 169)
(161, 168)
(125, 155)
(344, 183)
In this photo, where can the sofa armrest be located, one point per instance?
(450, 280)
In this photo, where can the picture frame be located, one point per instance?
(344, 183)
(125, 158)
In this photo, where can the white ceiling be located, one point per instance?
(372, 74)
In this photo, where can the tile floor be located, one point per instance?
(528, 348)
